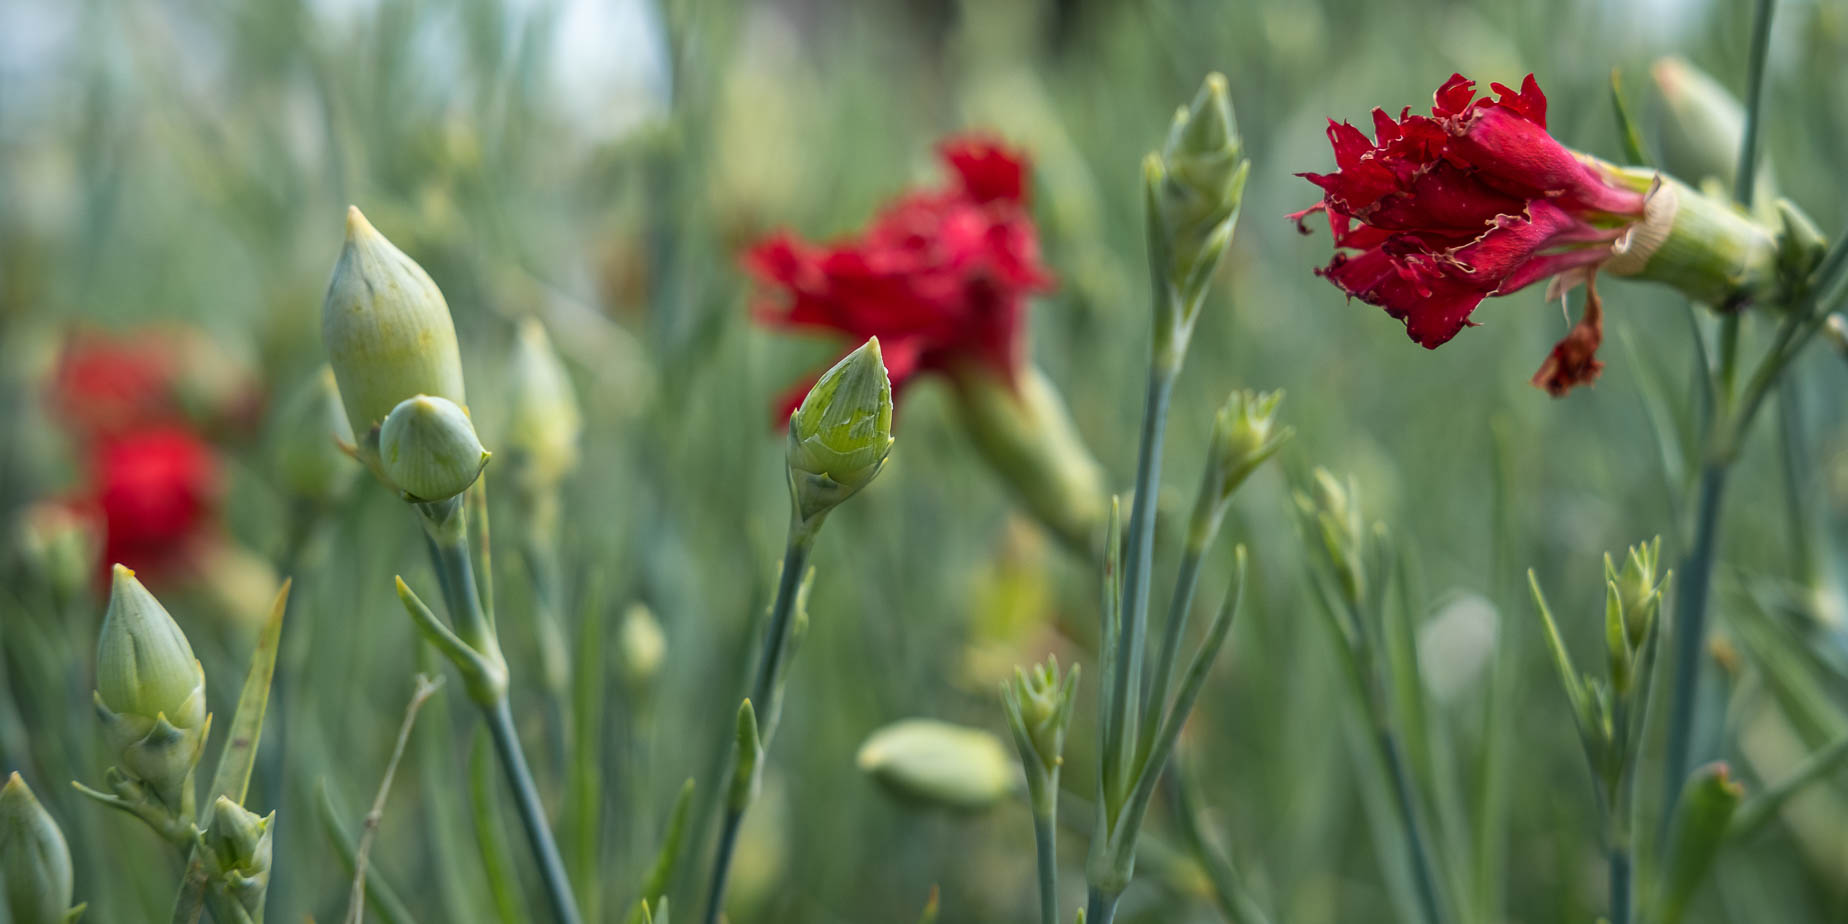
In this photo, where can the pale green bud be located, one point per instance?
(939, 764)
(1245, 436)
(35, 861)
(1637, 589)
(241, 845)
(1194, 188)
(1332, 520)
(1026, 435)
(388, 332)
(542, 433)
(428, 449)
(1703, 128)
(841, 434)
(747, 774)
(150, 691)
(1039, 707)
(306, 440)
(58, 546)
(640, 646)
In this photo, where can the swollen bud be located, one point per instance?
(841, 434)
(1039, 709)
(640, 647)
(1637, 588)
(35, 861)
(306, 439)
(542, 433)
(428, 449)
(388, 332)
(1245, 436)
(150, 691)
(1026, 434)
(1194, 188)
(938, 764)
(240, 842)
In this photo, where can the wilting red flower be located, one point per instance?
(157, 490)
(941, 276)
(1474, 201)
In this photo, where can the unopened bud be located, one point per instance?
(150, 690)
(1331, 518)
(640, 646)
(35, 861)
(1026, 435)
(306, 439)
(1703, 816)
(429, 450)
(1039, 706)
(388, 332)
(1703, 128)
(938, 764)
(542, 433)
(840, 436)
(241, 845)
(1245, 435)
(58, 545)
(1637, 588)
(747, 774)
(1194, 188)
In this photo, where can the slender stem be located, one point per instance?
(1620, 882)
(1099, 908)
(356, 903)
(1046, 847)
(1186, 582)
(531, 812)
(1690, 627)
(1744, 183)
(1129, 691)
(1423, 870)
(1792, 454)
(766, 689)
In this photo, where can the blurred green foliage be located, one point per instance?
(599, 167)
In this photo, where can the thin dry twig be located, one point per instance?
(356, 903)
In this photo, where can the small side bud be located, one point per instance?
(388, 332)
(1245, 436)
(58, 546)
(1025, 433)
(1638, 588)
(429, 450)
(306, 440)
(938, 764)
(241, 845)
(746, 774)
(1331, 519)
(640, 647)
(150, 691)
(1703, 127)
(840, 436)
(1039, 709)
(35, 861)
(545, 422)
(1703, 816)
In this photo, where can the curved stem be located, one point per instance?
(531, 812)
(1423, 869)
(1128, 692)
(721, 865)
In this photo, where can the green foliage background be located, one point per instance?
(192, 160)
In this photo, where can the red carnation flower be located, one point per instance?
(106, 386)
(157, 490)
(941, 277)
(1474, 201)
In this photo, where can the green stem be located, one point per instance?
(1423, 869)
(1128, 689)
(1046, 845)
(1199, 536)
(766, 688)
(1744, 184)
(1099, 908)
(1690, 627)
(496, 860)
(531, 812)
(1620, 882)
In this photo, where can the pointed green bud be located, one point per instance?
(542, 432)
(306, 440)
(388, 332)
(1331, 518)
(1194, 191)
(746, 774)
(1619, 651)
(1026, 435)
(1638, 588)
(938, 764)
(58, 546)
(1703, 816)
(429, 450)
(150, 692)
(839, 438)
(35, 861)
(1245, 435)
(640, 647)
(1801, 245)
(1039, 709)
(240, 843)
(1703, 128)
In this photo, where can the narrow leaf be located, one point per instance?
(232, 780)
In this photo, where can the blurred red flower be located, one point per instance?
(105, 386)
(941, 276)
(1474, 201)
(157, 489)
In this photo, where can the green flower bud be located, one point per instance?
(1702, 817)
(1026, 435)
(747, 775)
(1039, 708)
(58, 546)
(1194, 188)
(428, 449)
(640, 647)
(388, 332)
(1637, 590)
(938, 764)
(1331, 519)
(840, 436)
(150, 691)
(1703, 128)
(240, 843)
(306, 440)
(543, 431)
(1245, 436)
(35, 862)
